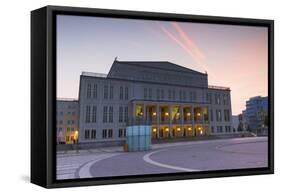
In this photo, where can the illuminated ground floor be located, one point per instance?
(174, 119)
(173, 131)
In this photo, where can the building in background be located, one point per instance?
(256, 115)
(67, 121)
(242, 124)
(235, 123)
(175, 101)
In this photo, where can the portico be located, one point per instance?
(172, 120)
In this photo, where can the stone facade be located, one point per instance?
(175, 101)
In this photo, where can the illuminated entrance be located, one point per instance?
(169, 120)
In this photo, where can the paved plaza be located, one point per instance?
(185, 156)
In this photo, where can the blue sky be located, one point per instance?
(233, 56)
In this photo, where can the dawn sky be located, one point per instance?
(233, 56)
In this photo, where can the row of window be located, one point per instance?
(61, 113)
(220, 99)
(182, 95)
(107, 114)
(220, 129)
(91, 114)
(106, 133)
(123, 114)
(219, 115)
(67, 129)
(160, 94)
(108, 92)
(69, 122)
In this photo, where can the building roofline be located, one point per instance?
(220, 88)
(138, 63)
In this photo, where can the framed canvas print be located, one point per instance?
(126, 96)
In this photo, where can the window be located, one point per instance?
(68, 129)
(104, 114)
(110, 119)
(193, 96)
(150, 93)
(180, 95)
(211, 114)
(111, 92)
(105, 92)
(218, 99)
(209, 98)
(95, 91)
(225, 99)
(184, 95)
(110, 133)
(93, 134)
(104, 133)
(121, 93)
(120, 114)
(158, 94)
(122, 133)
(88, 114)
(126, 114)
(218, 115)
(94, 114)
(139, 110)
(219, 129)
(162, 94)
(145, 93)
(126, 93)
(169, 94)
(60, 122)
(226, 115)
(174, 94)
(88, 91)
(212, 129)
(206, 114)
(87, 134)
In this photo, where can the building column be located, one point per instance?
(133, 118)
(203, 120)
(170, 120)
(144, 114)
(158, 119)
(181, 116)
(192, 120)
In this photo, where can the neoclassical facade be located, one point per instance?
(175, 101)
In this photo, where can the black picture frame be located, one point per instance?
(43, 95)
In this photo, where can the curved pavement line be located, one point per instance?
(147, 159)
(220, 148)
(84, 170)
